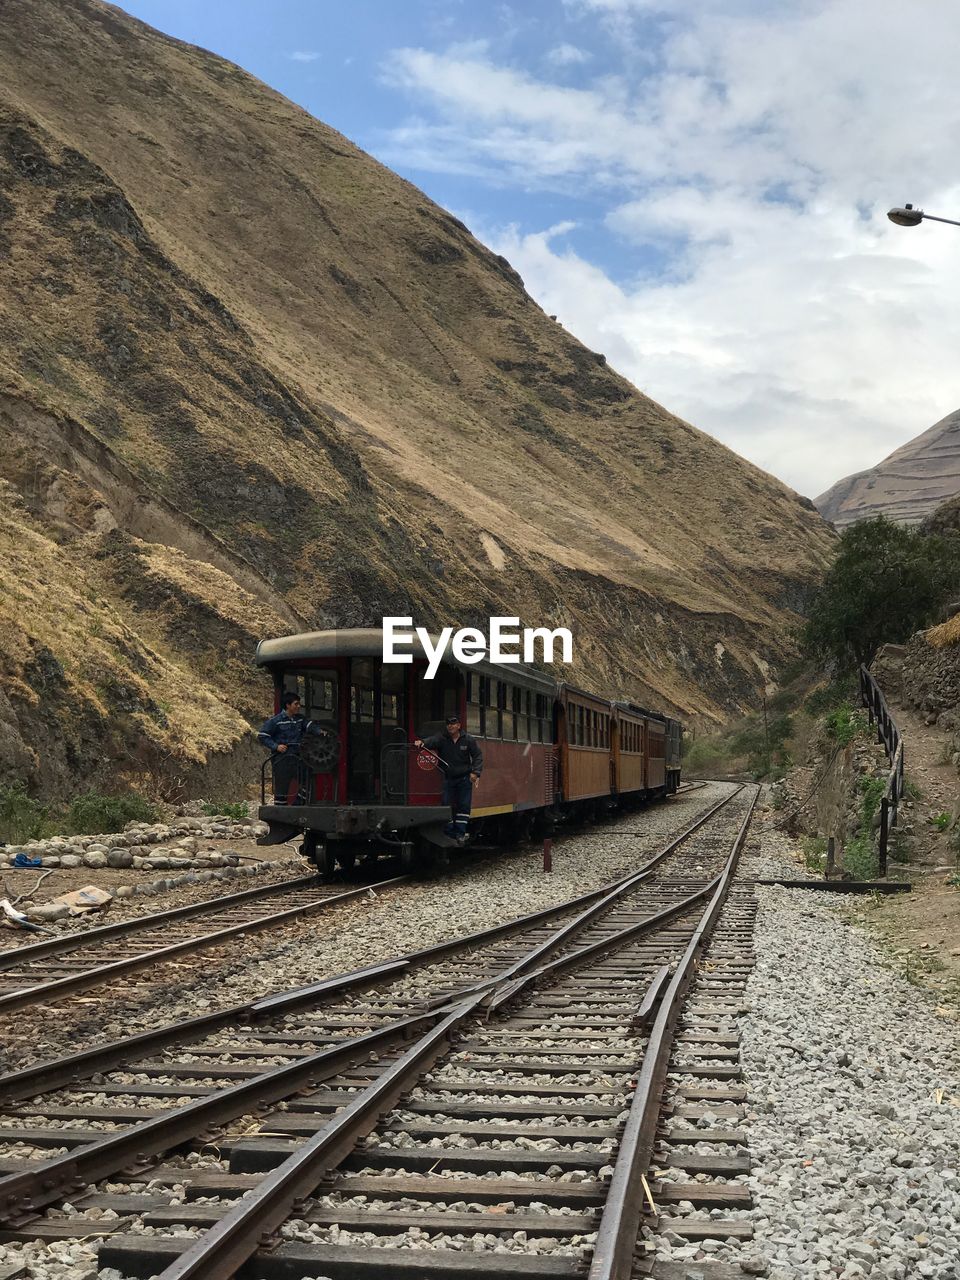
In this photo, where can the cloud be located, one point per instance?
(752, 152)
(567, 55)
(303, 55)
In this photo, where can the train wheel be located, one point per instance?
(326, 862)
(347, 859)
(320, 854)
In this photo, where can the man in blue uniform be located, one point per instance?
(282, 734)
(462, 763)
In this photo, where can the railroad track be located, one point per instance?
(44, 972)
(467, 1095)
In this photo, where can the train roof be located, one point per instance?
(637, 710)
(367, 642)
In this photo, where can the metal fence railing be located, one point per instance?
(888, 734)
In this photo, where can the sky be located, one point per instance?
(696, 188)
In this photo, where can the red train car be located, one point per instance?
(362, 787)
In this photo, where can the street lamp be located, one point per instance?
(908, 216)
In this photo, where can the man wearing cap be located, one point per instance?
(462, 763)
(282, 735)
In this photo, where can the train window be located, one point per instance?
(523, 719)
(493, 709)
(361, 704)
(581, 730)
(318, 695)
(474, 703)
(508, 715)
(390, 708)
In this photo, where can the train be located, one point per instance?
(552, 751)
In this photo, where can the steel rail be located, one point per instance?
(13, 956)
(23, 1194)
(27, 1082)
(233, 1240)
(226, 1246)
(619, 1223)
(86, 978)
(619, 888)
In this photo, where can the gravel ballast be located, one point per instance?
(493, 890)
(853, 1115)
(851, 1060)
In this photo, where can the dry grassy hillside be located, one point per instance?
(908, 485)
(245, 366)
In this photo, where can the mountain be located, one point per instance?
(907, 486)
(251, 382)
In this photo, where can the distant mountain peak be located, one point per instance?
(907, 486)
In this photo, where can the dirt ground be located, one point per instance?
(921, 929)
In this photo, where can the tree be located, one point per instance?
(886, 582)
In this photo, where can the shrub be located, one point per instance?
(93, 813)
(871, 793)
(843, 689)
(845, 723)
(814, 852)
(707, 754)
(860, 859)
(941, 821)
(236, 811)
(21, 817)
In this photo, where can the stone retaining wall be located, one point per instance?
(159, 846)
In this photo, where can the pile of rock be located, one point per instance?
(160, 846)
(50, 912)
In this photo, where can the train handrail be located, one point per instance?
(399, 753)
(306, 784)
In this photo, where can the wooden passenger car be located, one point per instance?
(629, 749)
(583, 741)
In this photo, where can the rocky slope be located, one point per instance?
(907, 486)
(251, 381)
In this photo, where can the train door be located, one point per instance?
(431, 702)
(363, 766)
(318, 688)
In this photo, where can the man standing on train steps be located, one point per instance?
(282, 735)
(462, 762)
